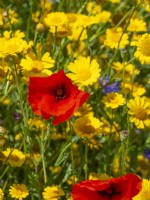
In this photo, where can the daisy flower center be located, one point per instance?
(37, 66)
(145, 47)
(140, 113)
(87, 129)
(56, 20)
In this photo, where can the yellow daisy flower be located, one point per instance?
(70, 198)
(62, 31)
(17, 34)
(1, 194)
(116, 164)
(1, 17)
(94, 144)
(113, 36)
(145, 192)
(85, 75)
(37, 123)
(102, 177)
(143, 49)
(129, 69)
(13, 46)
(108, 128)
(93, 8)
(5, 71)
(46, 4)
(103, 16)
(72, 17)
(113, 100)
(143, 165)
(18, 191)
(137, 25)
(13, 157)
(79, 51)
(72, 180)
(83, 110)
(115, 1)
(11, 17)
(139, 111)
(87, 126)
(31, 66)
(76, 32)
(135, 88)
(36, 16)
(147, 7)
(85, 20)
(52, 193)
(56, 19)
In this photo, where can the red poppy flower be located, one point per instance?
(122, 188)
(55, 96)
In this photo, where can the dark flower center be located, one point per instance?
(109, 192)
(60, 92)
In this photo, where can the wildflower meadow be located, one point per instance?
(75, 100)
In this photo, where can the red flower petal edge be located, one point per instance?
(55, 96)
(122, 188)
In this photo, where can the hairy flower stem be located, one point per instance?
(71, 151)
(54, 43)
(21, 105)
(29, 19)
(3, 5)
(123, 157)
(86, 159)
(4, 172)
(43, 160)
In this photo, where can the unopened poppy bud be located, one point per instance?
(18, 137)
(3, 131)
(124, 135)
(123, 53)
(39, 27)
(5, 14)
(123, 50)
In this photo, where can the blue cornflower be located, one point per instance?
(108, 88)
(147, 153)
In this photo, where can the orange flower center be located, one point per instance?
(145, 47)
(140, 113)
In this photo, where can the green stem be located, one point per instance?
(44, 168)
(72, 156)
(86, 159)
(21, 105)
(43, 160)
(3, 5)
(123, 156)
(4, 172)
(125, 16)
(54, 43)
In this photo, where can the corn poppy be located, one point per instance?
(122, 188)
(55, 96)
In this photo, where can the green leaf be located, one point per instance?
(65, 147)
